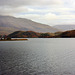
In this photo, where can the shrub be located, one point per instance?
(8, 38)
(44, 35)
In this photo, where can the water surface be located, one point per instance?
(52, 56)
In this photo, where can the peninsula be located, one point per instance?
(14, 40)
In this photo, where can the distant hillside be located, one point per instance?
(10, 24)
(67, 34)
(24, 34)
(65, 27)
(32, 34)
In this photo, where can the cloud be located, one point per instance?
(50, 12)
(29, 2)
(50, 18)
(12, 11)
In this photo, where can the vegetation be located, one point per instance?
(24, 34)
(8, 38)
(44, 35)
(68, 34)
(14, 40)
(0, 36)
(32, 34)
(57, 33)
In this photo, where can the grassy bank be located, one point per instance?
(14, 40)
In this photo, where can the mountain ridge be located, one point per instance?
(65, 27)
(9, 24)
(32, 34)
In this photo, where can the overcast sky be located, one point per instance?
(51, 12)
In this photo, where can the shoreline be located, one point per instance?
(14, 40)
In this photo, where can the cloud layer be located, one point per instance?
(51, 12)
(29, 2)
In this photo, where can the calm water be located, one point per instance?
(38, 57)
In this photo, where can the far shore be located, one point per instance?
(14, 40)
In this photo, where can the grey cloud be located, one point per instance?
(12, 10)
(28, 2)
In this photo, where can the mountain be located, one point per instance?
(9, 24)
(65, 27)
(24, 34)
(32, 34)
(67, 34)
(29, 34)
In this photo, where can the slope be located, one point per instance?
(9, 24)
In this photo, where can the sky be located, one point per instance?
(50, 12)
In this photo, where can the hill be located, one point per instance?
(24, 34)
(65, 27)
(30, 34)
(67, 34)
(9, 24)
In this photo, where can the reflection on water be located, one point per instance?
(38, 57)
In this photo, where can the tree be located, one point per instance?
(44, 35)
(8, 38)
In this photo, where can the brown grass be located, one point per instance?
(14, 40)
